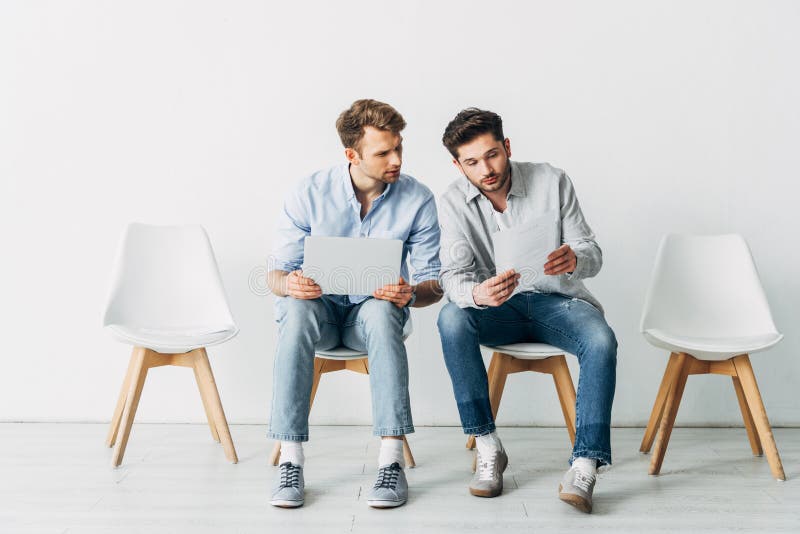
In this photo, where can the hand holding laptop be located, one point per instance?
(300, 287)
(398, 294)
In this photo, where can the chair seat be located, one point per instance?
(528, 351)
(711, 348)
(173, 341)
(344, 353)
(341, 353)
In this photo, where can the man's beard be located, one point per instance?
(501, 181)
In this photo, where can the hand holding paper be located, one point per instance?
(527, 248)
(561, 260)
(496, 290)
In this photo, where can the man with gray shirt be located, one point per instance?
(496, 193)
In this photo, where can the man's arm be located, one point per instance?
(576, 233)
(428, 292)
(284, 277)
(458, 278)
(423, 248)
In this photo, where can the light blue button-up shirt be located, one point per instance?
(325, 204)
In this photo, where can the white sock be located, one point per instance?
(585, 465)
(391, 452)
(488, 444)
(292, 451)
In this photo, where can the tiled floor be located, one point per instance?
(56, 478)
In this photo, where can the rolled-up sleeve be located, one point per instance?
(292, 227)
(458, 277)
(423, 242)
(576, 233)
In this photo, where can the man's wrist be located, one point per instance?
(413, 297)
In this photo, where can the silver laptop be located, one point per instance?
(352, 265)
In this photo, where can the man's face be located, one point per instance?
(484, 161)
(380, 155)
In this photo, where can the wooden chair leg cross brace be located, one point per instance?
(668, 399)
(143, 359)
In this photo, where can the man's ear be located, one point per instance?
(507, 144)
(458, 166)
(352, 156)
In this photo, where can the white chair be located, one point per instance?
(167, 300)
(536, 357)
(343, 359)
(706, 306)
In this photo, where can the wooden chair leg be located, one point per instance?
(749, 425)
(275, 455)
(206, 377)
(496, 375)
(138, 376)
(750, 388)
(658, 406)
(111, 438)
(407, 454)
(566, 393)
(678, 376)
(319, 366)
(204, 396)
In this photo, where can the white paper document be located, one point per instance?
(525, 248)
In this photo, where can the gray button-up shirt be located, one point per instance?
(467, 225)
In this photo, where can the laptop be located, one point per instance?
(352, 265)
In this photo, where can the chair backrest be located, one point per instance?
(166, 278)
(706, 286)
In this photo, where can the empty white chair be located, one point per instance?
(344, 359)
(706, 306)
(536, 357)
(167, 300)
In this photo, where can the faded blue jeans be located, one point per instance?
(571, 324)
(373, 326)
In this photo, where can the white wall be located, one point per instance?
(668, 116)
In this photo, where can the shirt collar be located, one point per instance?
(518, 188)
(347, 184)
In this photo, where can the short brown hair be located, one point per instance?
(469, 124)
(367, 112)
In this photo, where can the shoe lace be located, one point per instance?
(583, 480)
(486, 466)
(387, 476)
(290, 475)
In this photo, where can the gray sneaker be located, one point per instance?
(390, 489)
(288, 493)
(488, 479)
(576, 489)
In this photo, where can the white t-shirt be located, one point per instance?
(503, 220)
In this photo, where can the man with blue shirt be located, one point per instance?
(365, 197)
(494, 194)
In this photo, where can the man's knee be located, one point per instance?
(602, 344)
(382, 314)
(300, 314)
(453, 320)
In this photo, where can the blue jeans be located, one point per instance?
(571, 324)
(305, 326)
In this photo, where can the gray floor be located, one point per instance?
(55, 478)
